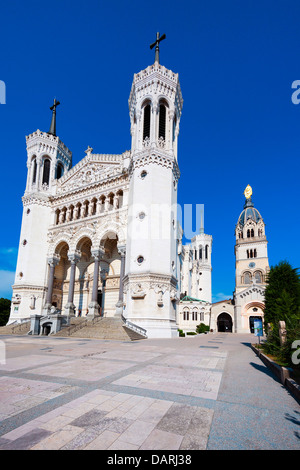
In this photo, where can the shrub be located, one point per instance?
(202, 328)
(191, 333)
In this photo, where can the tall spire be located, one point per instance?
(156, 43)
(52, 129)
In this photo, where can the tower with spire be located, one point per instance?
(47, 159)
(251, 266)
(155, 105)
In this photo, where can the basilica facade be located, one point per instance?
(101, 237)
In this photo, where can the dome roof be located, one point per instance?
(249, 212)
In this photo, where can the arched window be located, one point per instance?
(258, 276)
(195, 315)
(186, 315)
(247, 278)
(248, 233)
(34, 171)
(147, 116)
(248, 254)
(162, 122)
(206, 251)
(200, 252)
(252, 232)
(59, 171)
(46, 171)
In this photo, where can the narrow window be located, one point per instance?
(147, 114)
(247, 278)
(174, 127)
(46, 172)
(59, 171)
(206, 252)
(252, 232)
(248, 233)
(162, 122)
(34, 171)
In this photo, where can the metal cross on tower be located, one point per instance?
(156, 43)
(53, 121)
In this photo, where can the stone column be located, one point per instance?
(103, 274)
(119, 305)
(94, 307)
(70, 307)
(53, 261)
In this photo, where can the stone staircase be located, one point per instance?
(112, 328)
(15, 329)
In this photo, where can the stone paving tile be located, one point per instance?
(197, 433)
(57, 423)
(27, 441)
(91, 418)
(135, 434)
(58, 439)
(103, 441)
(162, 440)
(177, 419)
(76, 411)
(82, 440)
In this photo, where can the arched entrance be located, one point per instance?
(224, 323)
(252, 311)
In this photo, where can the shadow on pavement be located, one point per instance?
(265, 370)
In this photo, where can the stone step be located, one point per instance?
(103, 328)
(15, 329)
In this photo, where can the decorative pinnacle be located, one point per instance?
(156, 43)
(52, 129)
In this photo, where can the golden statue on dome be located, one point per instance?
(248, 192)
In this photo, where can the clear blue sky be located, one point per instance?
(236, 62)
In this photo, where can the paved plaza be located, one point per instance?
(194, 393)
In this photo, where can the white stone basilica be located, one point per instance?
(101, 238)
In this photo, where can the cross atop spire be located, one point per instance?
(156, 43)
(52, 129)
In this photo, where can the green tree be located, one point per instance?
(282, 296)
(282, 303)
(4, 311)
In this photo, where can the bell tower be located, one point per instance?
(47, 159)
(251, 265)
(150, 282)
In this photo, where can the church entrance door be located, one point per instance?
(224, 323)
